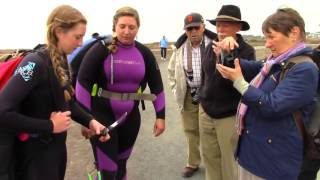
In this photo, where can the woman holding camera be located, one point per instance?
(270, 145)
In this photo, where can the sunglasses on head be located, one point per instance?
(194, 27)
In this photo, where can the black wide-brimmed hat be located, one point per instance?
(230, 13)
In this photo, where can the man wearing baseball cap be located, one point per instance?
(219, 99)
(184, 74)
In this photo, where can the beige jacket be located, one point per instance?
(177, 77)
(176, 74)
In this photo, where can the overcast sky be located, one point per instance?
(23, 21)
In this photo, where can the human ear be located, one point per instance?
(295, 33)
(59, 32)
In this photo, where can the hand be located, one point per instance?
(217, 50)
(228, 43)
(97, 128)
(159, 127)
(61, 121)
(87, 133)
(230, 73)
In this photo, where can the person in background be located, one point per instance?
(122, 70)
(163, 48)
(184, 74)
(311, 166)
(219, 100)
(95, 35)
(39, 100)
(270, 144)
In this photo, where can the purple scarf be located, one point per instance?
(257, 81)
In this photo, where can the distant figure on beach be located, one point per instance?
(163, 48)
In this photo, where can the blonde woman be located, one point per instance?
(39, 100)
(122, 69)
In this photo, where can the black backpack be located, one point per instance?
(310, 133)
(75, 58)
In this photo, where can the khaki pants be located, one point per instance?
(190, 122)
(246, 175)
(218, 142)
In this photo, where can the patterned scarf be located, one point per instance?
(257, 81)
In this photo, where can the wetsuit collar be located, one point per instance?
(126, 45)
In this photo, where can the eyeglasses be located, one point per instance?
(194, 27)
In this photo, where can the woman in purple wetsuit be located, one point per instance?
(121, 68)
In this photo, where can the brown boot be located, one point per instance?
(189, 171)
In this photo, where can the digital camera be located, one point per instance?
(229, 57)
(195, 95)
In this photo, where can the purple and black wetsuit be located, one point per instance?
(125, 71)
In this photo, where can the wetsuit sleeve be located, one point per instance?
(26, 78)
(88, 74)
(155, 84)
(79, 114)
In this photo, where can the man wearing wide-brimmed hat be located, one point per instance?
(219, 99)
(228, 22)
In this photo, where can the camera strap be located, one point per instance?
(189, 71)
(221, 57)
(189, 61)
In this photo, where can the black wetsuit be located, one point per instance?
(125, 71)
(32, 93)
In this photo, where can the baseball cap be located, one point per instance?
(193, 19)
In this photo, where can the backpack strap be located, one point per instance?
(106, 40)
(291, 62)
(310, 143)
(297, 115)
(287, 66)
